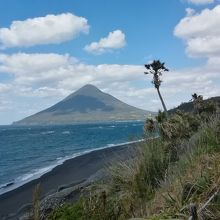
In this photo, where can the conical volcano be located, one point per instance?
(86, 105)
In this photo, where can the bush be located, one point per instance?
(68, 212)
(194, 178)
(165, 175)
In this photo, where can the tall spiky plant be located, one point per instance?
(157, 68)
(36, 202)
(197, 102)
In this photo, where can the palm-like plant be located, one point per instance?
(197, 102)
(157, 68)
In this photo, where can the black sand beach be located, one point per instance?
(72, 171)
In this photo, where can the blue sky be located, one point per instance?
(105, 43)
(148, 26)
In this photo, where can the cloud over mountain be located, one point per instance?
(50, 77)
(35, 80)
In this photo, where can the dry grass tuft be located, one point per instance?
(36, 202)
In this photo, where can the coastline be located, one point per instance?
(70, 172)
(10, 186)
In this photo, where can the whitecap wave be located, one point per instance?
(25, 178)
(66, 132)
(5, 185)
(47, 132)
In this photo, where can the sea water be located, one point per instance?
(28, 152)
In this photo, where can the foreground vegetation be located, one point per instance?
(165, 177)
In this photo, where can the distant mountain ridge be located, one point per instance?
(188, 106)
(88, 104)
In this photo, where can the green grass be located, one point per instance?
(68, 212)
(165, 176)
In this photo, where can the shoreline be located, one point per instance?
(70, 172)
(10, 186)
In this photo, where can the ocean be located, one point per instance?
(28, 152)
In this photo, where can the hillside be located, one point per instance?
(188, 106)
(174, 176)
(88, 104)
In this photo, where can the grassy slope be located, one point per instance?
(165, 177)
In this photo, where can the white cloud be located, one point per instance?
(61, 71)
(47, 78)
(200, 2)
(5, 105)
(190, 12)
(39, 80)
(22, 63)
(43, 30)
(114, 40)
(201, 33)
(4, 87)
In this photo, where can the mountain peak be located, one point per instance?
(88, 104)
(88, 88)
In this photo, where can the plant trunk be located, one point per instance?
(161, 99)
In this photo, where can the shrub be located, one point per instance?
(164, 176)
(68, 212)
